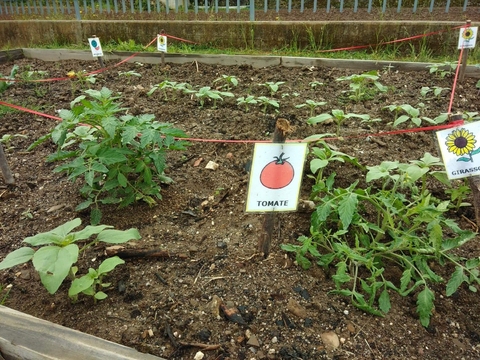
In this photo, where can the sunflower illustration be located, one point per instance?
(467, 34)
(461, 142)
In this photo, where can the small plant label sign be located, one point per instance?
(95, 46)
(460, 150)
(162, 43)
(275, 177)
(467, 38)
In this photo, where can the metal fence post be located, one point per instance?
(252, 10)
(77, 10)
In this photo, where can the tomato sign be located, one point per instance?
(275, 177)
(277, 174)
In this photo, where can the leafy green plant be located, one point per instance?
(442, 69)
(272, 86)
(314, 84)
(458, 194)
(312, 105)
(394, 220)
(470, 116)
(54, 253)
(206, 93)
(228, 81)
(338, 116)
(265, 103)
(4, 84)
(163, 86)
(120, 158)
(129, 74)
(363, 86)
(7, 140)
(246, 102)
(436, 90)
(413, 114)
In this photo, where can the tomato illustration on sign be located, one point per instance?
(277, 174)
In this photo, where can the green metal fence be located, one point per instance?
(80, 9)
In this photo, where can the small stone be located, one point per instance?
(274, 340)
(253, 341)
(211, 165)
(197, 162)
(330, 340)
(213, 307)
(199, 356)
(351, 328)
(296, 309)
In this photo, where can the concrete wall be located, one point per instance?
(259, 35)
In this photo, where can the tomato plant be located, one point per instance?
(277, 174)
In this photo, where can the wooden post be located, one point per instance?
(463, 68)
(7, 174)
(282, 128)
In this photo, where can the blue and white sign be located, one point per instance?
(95, 46)
(162, 43)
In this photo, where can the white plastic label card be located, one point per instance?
(95, 46)
(460, 150)
(275, 177)
(162, 43)
(467, 38)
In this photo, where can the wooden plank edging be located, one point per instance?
(230, 60)
(24, 337)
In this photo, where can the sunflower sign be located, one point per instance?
(275, 177)
(162, 43)
(460, 150)
(467, 37)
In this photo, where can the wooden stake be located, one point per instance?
(463, 68)
(7, 174)
(282, 128)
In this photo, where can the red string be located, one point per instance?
(385, 133)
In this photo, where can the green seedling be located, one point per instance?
(312, 105)
(363, 86)
(437, 91)
(267, 103)
(442, 69)
(27, 214)
(246, 102)
(7, 140)
(272, 86)
(206, 93)
(470, 116)
(6, 291)
(4, 84)
(129, 75)
(54, 253)
(412, 114)
(163, 86)
(314, 84)
(337, 116)
(228, 81)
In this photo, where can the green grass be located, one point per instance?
(3, 297)
(390, 52)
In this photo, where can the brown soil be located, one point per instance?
(202, 218)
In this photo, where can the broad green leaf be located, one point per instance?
(100, 295)
(317, 164)
(109, 264)
(89, 231)
(425, 305)
(384, 301)
(400, 120)
(319, 119)
(53, 236)
(17, 257)
(80, 284)
(457, 278)
(118, 236)
(122, 180)
(111, 156)
(53, 264)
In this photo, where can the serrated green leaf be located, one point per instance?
(425, 305)
(457, 278)
(122, 180)
(95, 216)
(405, 279)
(384, 301)
(347, 208)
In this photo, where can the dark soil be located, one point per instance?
(212, 241)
